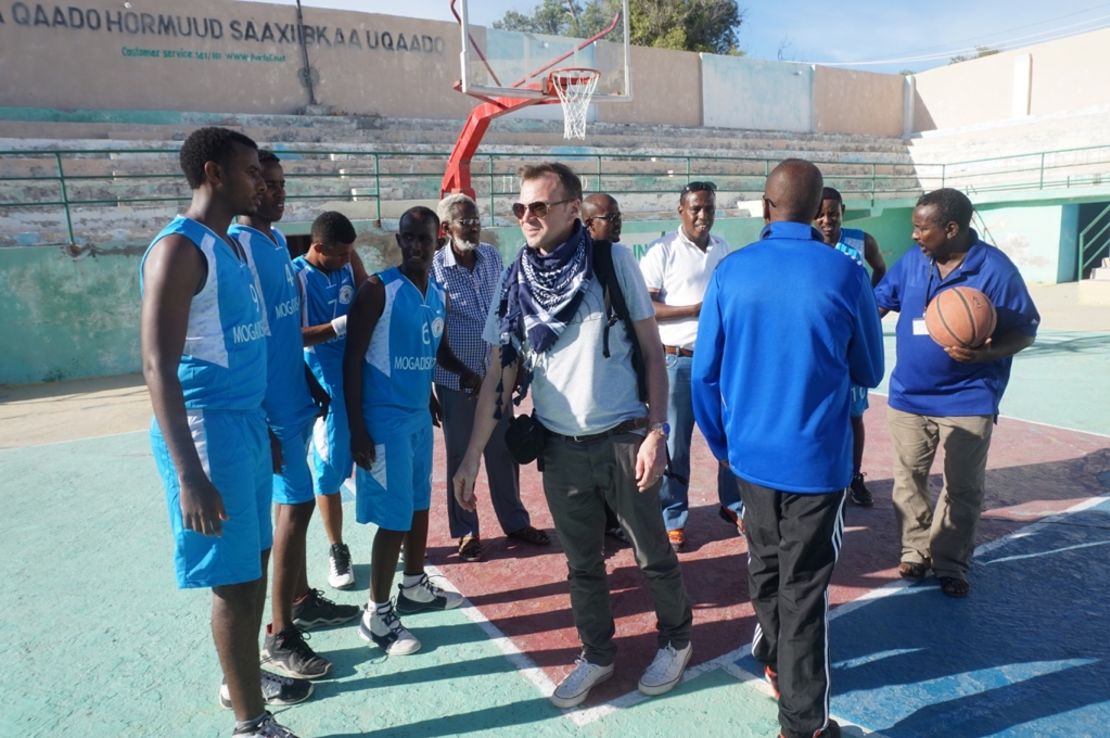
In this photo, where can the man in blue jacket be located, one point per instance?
(770, 387)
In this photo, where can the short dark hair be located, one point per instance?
(209, 144)
(952, 206)
(572, 186)
(420, 214)
(333, 228)
(265, 156)
(831, 193)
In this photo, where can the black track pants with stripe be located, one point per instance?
(793, 544)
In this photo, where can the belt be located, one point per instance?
(678, 351)
(625, 427)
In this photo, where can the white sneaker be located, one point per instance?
(340, 575)
(384, 629)
(574, 689)
(424, 596)
(665, 670)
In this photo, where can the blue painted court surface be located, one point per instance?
(98, 642)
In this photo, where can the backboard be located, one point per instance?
(498, 63)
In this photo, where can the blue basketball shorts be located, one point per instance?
(234, 451)
(859, 401)
(400, 481)
(331, 449)
(293, 484)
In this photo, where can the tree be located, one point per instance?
(980, 51)
(689, 25)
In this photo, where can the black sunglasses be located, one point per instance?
(538, 208)
(699, 187)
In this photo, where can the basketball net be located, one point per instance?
(574, 87)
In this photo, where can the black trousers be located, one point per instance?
(793, 543)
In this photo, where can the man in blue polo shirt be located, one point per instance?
(770, 389)
(947, 396)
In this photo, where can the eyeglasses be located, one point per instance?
(468, 222)
(699, 187)
(615, 218)
(538, 208)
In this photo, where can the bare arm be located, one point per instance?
(874, 258)
(672, 312)
(1005, 347)
(365, 313)
(652, 456)
(484, 424)
(172, 274)
(469, 381)
(315, 334)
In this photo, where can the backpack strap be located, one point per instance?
(617, 309)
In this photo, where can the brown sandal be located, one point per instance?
(470, 548)
(954, 587)
(912, 570)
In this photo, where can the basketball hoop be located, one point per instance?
(574, 87)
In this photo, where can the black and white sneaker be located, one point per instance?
(287, 653)
(424, 596)
(317, 611)
(276, 690)
(383, 628)
(340, 575)
(267, 727)
(858, 492)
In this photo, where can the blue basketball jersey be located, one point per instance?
(327, 295)
(223, 361)
(851, 244)
(288, 403)
(397, 373)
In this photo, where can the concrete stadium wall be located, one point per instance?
(666, 90)
(762, 95)
(1054, 77)
(859, 102)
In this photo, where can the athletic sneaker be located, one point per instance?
(267, 727)
(424, 596)
(665, 670)
(287, 653)
(340, 575)
(276, 690)
(576, 686)
(772, 678)
(858, 492)
(383, 627)
(832, 730)
(317, 611)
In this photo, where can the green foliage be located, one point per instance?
(688, 25)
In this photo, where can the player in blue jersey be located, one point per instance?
(397, 334)
(860, 247)
(290, 413)
(329, 273)
(204, 361)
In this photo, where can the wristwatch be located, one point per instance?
(664, 428)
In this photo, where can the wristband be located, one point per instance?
(339, 325)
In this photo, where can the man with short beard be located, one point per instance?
(469, 272)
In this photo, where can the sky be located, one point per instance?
(858, 34)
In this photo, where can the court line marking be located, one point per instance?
(729, 661)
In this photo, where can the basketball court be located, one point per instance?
(101, 643)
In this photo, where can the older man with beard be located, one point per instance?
(470, 272)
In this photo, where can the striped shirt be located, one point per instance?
(469, 295)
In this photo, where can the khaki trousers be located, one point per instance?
(944, 537)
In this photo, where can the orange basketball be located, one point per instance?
(960, 317)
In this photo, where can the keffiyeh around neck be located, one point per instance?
(542, 293)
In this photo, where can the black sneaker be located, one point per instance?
(340, 575)
(858, 492)
(424, 596)
(287, 653)
(276, 690)
(267, 727)
(317, 611)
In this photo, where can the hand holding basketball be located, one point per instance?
(960, 318)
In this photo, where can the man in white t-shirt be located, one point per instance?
(677, 268)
